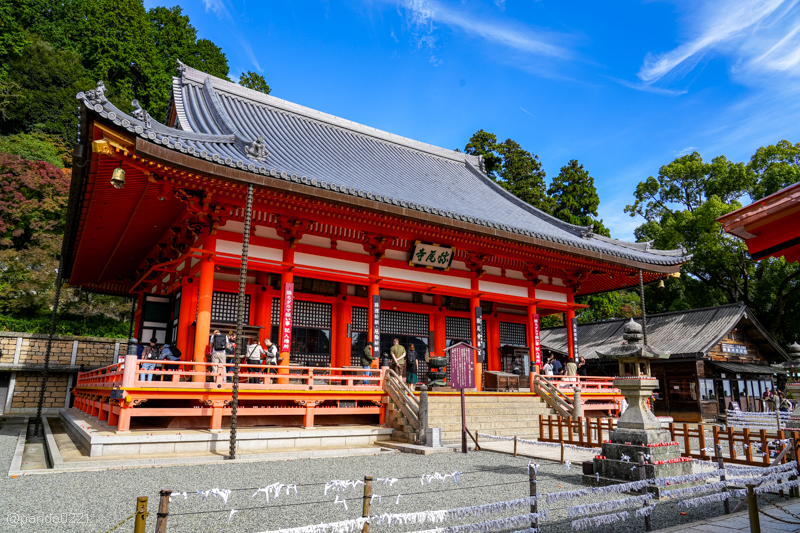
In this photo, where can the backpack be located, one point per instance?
(219, 343)
(176, 352)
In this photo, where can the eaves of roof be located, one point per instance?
(224, 155)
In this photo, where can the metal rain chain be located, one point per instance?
(239, 350)
(49, 349)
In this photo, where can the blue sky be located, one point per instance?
(623, 87)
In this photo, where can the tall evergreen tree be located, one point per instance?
(575, 199)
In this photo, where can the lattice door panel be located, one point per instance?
(224, 307)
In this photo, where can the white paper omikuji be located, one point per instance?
(231, 515)
(645, 511)
(702, 500)
(455, 514)
(221, 493)
(568, 465)
(688, 491)
(601, 520)
(342, 501)
(590, 508)
(344, 526)
(491, 525)
(341, 484)
(779, 486)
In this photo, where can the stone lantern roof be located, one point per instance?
(631, 346)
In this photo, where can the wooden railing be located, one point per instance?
(553, 396)
(758, 446)
(587, 432)
(189, 375)
(403, 397)
(587, 384)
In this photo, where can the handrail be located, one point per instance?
(194, 375)
(552, 396)
(401, 394)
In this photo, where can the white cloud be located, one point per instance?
(757, 36)
(687, 150)
(423, 16)
(221, 10)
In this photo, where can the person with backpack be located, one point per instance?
(230, 352)
(150, 353)
(254, 354)
(271, 358)
(219, 343)
(170, 353)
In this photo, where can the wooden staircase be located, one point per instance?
(496, 414)
(402, 409)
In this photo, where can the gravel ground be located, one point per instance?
(99, 500)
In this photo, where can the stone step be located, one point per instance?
(489, 428)
(500, 411)
(487, 419)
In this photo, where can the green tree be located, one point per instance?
(680, 208)
(777, 166)
(575, 199)
(515, 169)
(47, 81)
(176, 39)
(255, 81)
(36, 147)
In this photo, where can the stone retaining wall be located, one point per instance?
(22, 354)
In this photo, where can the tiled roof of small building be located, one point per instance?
(679, 333)
(231, 125)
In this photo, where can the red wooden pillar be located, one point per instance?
(374, 290)
(570, 316)
(287, 276)
(343, 318)
(475, 303)
(186, 316)
(439, 333)
(531, 332)
(205, 291)
(137, 316)
(493, 343)
(263, 308)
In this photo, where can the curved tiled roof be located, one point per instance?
(679, 333)
(219, 121)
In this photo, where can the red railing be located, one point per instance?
(587, 384)
(191, 375)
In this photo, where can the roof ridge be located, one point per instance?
(666, 313)
(258, 97)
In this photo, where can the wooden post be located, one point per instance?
(535, 504)
(562, 452)
(423, 414)
(672, 431)
(764, 447)
(478, 446)
(732, 443)
(515, 445)
(648, 525)
(367, 502)
(752, 509)
(687, 442)
(722, 477)
(463, 424)
(701, 435)
(541, 427)
(140, 520)
(748, 450)
(589, 432)
(163, 512)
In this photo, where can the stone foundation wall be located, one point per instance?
(28, 385)
(19, 352)
(92, 352)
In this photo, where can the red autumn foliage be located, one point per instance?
(33, 201)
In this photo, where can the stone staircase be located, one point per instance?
(403, 430)
(505, 415)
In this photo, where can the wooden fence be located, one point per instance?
(586, 432)
(759, 446)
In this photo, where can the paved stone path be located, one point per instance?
(741, 522)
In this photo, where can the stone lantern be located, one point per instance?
(793, 385)
(638, 429)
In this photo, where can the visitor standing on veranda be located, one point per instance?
(398, 354)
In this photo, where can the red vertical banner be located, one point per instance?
(286, 319)
(537, 342)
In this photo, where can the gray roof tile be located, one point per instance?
(219, 119)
